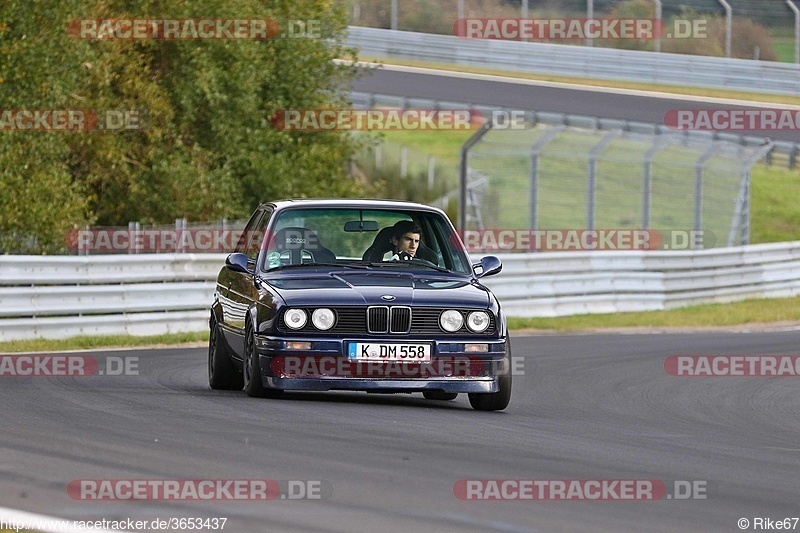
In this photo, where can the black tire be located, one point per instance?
(495, 401)
(251, 370)
(222, 374)
(439, 395)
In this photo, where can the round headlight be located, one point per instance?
(451, 320)
(323, 318)
(295, 318)
(478, 321)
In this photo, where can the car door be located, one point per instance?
(239, 287)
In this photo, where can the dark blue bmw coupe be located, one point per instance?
(370, 295)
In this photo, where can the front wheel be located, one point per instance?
(251, 370)
(495, 401)
(222, 375)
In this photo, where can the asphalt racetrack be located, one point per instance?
(588, 407)
(514, 94)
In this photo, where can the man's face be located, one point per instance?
(407, 243)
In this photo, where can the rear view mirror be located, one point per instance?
(360, 225)
(488, 266)
(238, 263)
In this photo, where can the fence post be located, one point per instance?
(728, 26)
(536, 150)
(657, 45)
(133, 228)
(594, 153)
(463, 174)
(82, 249)
(431, 171)
(796, 12)
(698, 193)
(180, 226)
(647, 180)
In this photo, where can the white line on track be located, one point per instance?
(47, 524)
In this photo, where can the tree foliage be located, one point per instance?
(206, 148)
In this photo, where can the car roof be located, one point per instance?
(358, 203)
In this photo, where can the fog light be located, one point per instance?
(476, 348)
(296, 345)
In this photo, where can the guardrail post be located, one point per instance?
(431, 172)
(589, 16)
(394, 15)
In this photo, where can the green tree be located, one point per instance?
(207, 148)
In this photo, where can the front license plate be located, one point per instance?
(374, 351)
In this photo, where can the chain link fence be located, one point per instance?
(558, 177)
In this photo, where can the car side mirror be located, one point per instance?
(238, 263)
(489, 266)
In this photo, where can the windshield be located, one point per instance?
(359, 238)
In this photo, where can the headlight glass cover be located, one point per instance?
(451, 320)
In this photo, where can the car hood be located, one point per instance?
(370, 288)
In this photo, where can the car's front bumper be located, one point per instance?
(324, 365)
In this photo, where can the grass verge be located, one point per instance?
(761, 311)
(757, 311)
(107, 341)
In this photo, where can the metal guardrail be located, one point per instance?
(567, 283)
(61, 296)
(160, 293)
(579, 61)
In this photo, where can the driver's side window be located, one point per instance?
(253, 235)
